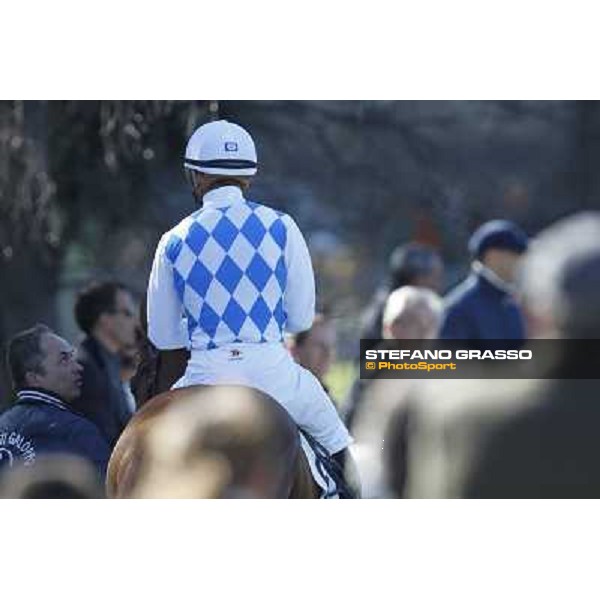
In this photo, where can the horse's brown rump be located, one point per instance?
(157, 372)
(129, 463)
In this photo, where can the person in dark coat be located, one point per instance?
(106, 313)
(409, 264)
(47, 378)
(483, 306)
(530, 438)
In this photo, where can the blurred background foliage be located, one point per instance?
(88, 187)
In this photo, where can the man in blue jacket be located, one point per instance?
(47, 378)
(483, 307)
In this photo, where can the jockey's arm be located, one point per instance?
(166, 326)
(299, 296)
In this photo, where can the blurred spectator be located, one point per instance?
(129, 358)
(410, 264)
(222, 442)
(483, 306)
(46, 378)
(314, 348)
(524, 438)
(410, 313)
(52, 477)
(106, 313)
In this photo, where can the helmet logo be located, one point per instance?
(231, 147)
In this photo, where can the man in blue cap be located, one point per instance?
(483, 306)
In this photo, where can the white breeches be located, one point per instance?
(271, 369)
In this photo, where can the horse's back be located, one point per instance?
(129, 453)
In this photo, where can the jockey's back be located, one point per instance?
(229, 279)
(239, 272)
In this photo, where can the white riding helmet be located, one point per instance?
(221, 148)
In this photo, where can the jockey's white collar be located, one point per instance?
(222, 196)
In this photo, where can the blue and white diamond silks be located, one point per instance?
(230, 273)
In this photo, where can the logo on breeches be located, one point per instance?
(235, 354)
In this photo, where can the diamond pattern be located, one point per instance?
(179, 284)
(209, 319)
(212, 255)
(241, 252)
(269, 251)
(278, 233)
(238, 215)
(254, 230)
(219, 297)
(271, 331)
(271, 293)
(280, 315)
(209, 218)
(281, 273)
(173, 248)
(258, 272)
(249, 331)
(266, 215)
(225, 232)
(196, 237)
(185, 261)
(234, 316)
(246, 294)
(199, 279)
(191, 324)
(230, 273)
(192, 301)
(260, 314)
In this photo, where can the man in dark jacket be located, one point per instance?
(106, 313)
(47, 378)
(525, 438)
(483, 307)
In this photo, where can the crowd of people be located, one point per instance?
(200, 395)
(486, 437)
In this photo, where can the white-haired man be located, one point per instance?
(410, 313)
(231, 278)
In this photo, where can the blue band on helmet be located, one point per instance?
(222, 163)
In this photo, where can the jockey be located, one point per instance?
(230, 279)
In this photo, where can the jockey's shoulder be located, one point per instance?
(180, 230)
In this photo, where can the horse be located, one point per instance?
(157, 373)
